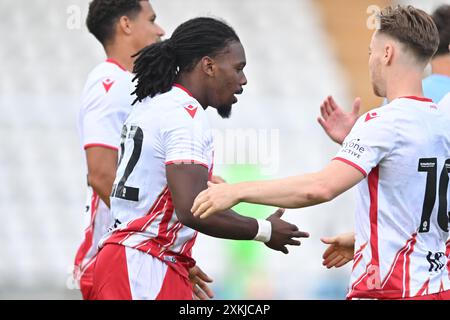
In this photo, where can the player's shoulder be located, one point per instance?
(107, 75)
(444, 104)
(176, 103)
(376, 116)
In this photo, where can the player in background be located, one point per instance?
(445, 104)
(166, 159)
(398, 155)
(337, 124)
(123, 27)
(437, 85)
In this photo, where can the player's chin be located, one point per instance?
(225, 111)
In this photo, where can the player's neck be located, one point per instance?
(441, 65)
(404, 84)
(122, 57)
(191, 83)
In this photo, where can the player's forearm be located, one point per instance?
(102, 185)
(293, 192)
(225, 225)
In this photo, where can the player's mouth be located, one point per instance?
(235, 99)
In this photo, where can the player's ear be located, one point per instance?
(208, 66)
(124, 25)
(388, 54)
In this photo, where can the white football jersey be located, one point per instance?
(402, 212)
(444, 104)
(105, 104)
(169, 128)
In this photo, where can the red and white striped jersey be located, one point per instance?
(444, 105)
(105, 104)
(401, 224)
(169, 128)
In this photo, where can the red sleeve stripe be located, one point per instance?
(352, 164)
(187, 162)
(91, 145)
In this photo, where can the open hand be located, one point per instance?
(283, 233)
(340, 250)
(199, 281)
(335, 122)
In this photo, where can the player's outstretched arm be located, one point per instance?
(293, 192)
(186, 181)
(340, 250)
(335, 122)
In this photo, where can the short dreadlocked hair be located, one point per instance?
(104, 14)
(158, 65)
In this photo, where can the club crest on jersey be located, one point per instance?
(191, 110)
(107, 84)
(370, 116)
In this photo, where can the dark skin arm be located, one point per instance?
(102, 165)
(186, 181)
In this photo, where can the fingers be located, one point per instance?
(210, 184)
(217, 179)
(323, 124)
(344, 261)
(332, 103)
(205, 288)
(331, 256)
(199, 294)
(279, 213)
(198, 201)
(356, 106)
(328, 252)
(199, 281)
(202, 209)
(300, 234)
(203, 276)
(328, 240)
(208, 212)
(329, 108)
(323, 111)
(293, 242)
(335, 261)
(284, 250)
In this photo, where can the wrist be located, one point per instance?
(264, 231)
(237, 192)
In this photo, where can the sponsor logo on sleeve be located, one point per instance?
(353, 148)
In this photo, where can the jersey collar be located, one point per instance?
(179, 86)
(417, 98)
(116, 63)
